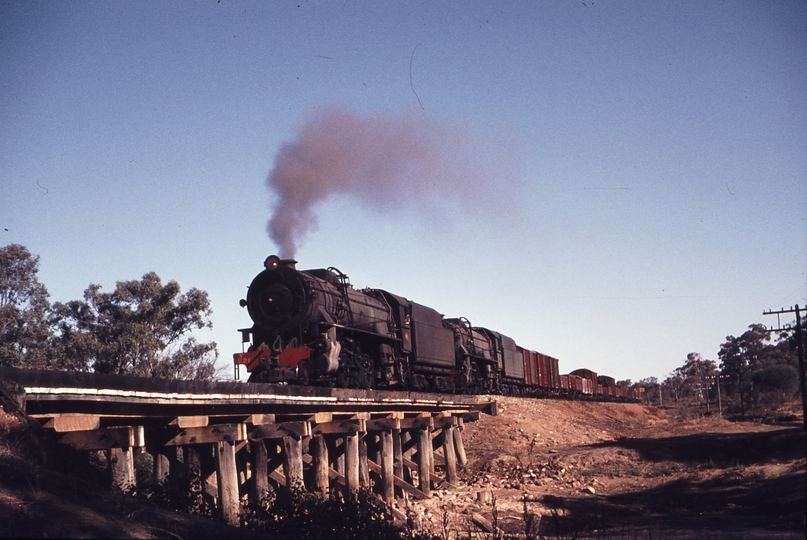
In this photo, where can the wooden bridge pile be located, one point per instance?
(247, 438)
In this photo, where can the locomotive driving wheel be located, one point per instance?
(344, 379)
(365, 372)
(355, 371)
(303, 373)
(420, 383)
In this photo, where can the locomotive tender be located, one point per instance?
(312, 327)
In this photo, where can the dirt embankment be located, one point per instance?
(50, 492)
(626, 470)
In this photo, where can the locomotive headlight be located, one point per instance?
(272, 262)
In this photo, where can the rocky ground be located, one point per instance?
(541, 468)
(574, 469)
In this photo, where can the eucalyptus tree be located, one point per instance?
(142, 328)
(696, 374)
(756, 358)
(24, 309)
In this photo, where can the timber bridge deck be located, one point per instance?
(244, 437)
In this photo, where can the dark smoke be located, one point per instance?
(404, 161)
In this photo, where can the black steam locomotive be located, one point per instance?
(312, 327)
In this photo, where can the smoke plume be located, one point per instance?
(387, 161)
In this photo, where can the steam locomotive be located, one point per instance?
(312, 327)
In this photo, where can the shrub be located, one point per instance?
(780, 377)
(302, 515)
(181, 490)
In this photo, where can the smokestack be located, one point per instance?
(273, 262)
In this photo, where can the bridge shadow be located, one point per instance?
(720, 449)
(732, 502)
(734, 506)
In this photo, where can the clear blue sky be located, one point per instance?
(616, 184)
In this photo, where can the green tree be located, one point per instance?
(782, 378)
(673, 386)
(650, 389)
(142, 328)
(695, 376)
(24, 309)
(754, 351)
(738, 355)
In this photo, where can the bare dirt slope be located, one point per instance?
(626, 471)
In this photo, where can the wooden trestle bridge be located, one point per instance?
(244, 438)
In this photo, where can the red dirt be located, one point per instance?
(627, 470)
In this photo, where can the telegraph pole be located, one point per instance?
(719, 397)
(800, 348)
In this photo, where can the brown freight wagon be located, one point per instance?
(605, 380)
(543, 370)
(532, 372)
(590, 375)
(540, 370)
(575, 384)
(553, 371)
